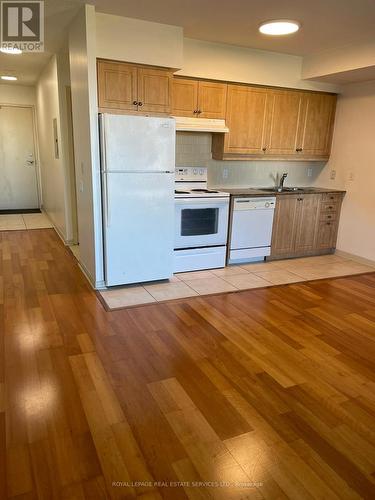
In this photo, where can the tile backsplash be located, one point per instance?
(194, 149)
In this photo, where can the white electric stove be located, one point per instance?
(201, 222)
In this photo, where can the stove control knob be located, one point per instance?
(267, 205)
(201, 172)
(195, 171)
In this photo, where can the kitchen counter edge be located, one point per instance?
(258, 193)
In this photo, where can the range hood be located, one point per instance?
(184, 124)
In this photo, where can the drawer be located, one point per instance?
(329, 206)
(332, 197)
(328, 216)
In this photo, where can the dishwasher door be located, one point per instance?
(251, 228)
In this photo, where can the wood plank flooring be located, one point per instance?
(264, 394)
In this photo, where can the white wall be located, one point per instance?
(143, 42)
(228, 62)
(17, 94)
(353, 156)
(82, 52)
(349, 58)
(52, 169)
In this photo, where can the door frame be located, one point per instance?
(36, 145)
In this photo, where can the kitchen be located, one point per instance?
(214, 226)
(192, 314)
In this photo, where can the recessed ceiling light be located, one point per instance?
(8, 77)
(10, 50)
(280, 27)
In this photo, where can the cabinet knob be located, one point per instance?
(328, 223)
(195, 111)
(264, 149)
(199, 111)
(140, 104)
(299, 150)
(135, 103)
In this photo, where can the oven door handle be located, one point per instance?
(193, 202)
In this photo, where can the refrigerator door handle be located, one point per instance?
(107, 214)
(103, 143)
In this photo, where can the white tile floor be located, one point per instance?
(234, 278)
(17, 222)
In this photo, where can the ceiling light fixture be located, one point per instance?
(8, 77)
(10, 50)
(279, 27)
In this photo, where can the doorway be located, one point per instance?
(18, 167)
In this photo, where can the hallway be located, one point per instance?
(271, 388)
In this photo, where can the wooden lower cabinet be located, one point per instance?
(306, 230)
(305, 224)
(284, 226)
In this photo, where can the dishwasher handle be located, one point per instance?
(254, 204)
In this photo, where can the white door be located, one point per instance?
(18, 178)
(201, 222)
(138, 211)
(138, 143)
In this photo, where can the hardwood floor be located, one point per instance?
(271, 389)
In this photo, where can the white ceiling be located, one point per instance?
(326, 24)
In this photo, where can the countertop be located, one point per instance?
(257, 192)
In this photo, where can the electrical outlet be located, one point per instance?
(309, 172)
(225, 173)
(333, 175)
(351, 176)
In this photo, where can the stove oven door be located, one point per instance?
(201, 222)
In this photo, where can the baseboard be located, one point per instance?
(21, 211)
(356, 258)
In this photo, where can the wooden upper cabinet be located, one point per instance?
(247, 113)
(117, 85)
(199, 99)
(284, 122)
(129, 87)
(154, 90)
(212, 99)
(184, 97)
(317, 127)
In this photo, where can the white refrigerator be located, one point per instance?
(137, 174)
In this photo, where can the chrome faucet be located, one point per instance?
(280, 187)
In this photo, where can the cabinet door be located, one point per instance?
(184, 97)
(326, 235)
(317, 126)
(154, 90)
(307, 222)
(247, 109)
(284, 226)
(212, 99)
(117, 85)
(283, 123)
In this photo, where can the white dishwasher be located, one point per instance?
(251, 230)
